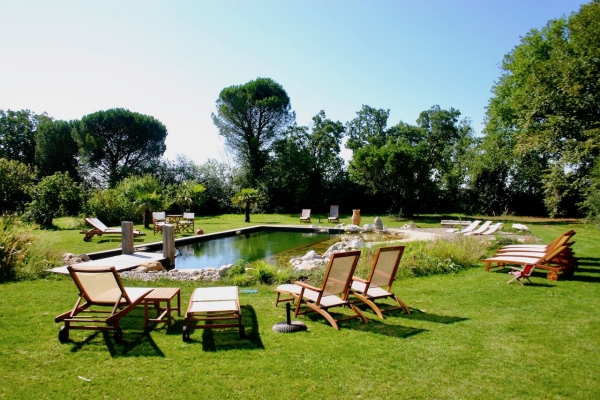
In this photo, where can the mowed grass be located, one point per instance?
(470, 335)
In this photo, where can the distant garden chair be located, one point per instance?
(334, 214)
(100, 229)
(305, 215)
(186, 224)
(159, 219)
(379, 283)
(99, 287)
(521, 273)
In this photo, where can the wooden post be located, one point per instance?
(169, 243)
(127, 237)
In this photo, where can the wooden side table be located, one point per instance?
(157, 296)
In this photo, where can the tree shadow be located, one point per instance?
(228, 338)
(440, 319)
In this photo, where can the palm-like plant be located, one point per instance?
(188, 193)
(247, 198)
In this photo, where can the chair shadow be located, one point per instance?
(423, 316)
(228, 338)
(373, 326)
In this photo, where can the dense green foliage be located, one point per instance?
(55, 195)
(543, 119)
(250, 117)
(117, 143)
(15, 179)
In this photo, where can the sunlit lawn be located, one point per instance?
(470, 335)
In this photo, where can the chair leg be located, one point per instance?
(401, 304)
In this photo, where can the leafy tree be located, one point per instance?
(305, 164)
(145, 193)
(188, 193)
(219, 181)
(246, 198)
(174, 172)
(416, 165)
(250, 117)
(369, 127)
(548, 98)
(111, 207)
(55, 149)
(53, 196)
(116, 143)
(15, 179)
(17, 135)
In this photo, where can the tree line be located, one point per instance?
(537, 155)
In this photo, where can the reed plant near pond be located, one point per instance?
(23, 255)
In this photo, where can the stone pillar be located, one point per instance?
(168, 232)
(127, 237)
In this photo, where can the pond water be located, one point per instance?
(251, 247)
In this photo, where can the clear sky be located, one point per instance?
(171, 59)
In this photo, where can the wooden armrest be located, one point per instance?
(307, 286)
(356, 278)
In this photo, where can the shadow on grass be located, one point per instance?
(589, 262)
(423, 316)
(373, 326)
(584, 278)
(133, 344)
(228, 338)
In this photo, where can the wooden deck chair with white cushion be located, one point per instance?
(479, 230)
(471, 227)
(100, 229)
(492, 229)
(305, 215)
(559, 241)
(555, 261)
(217, 307)
(102, 289)
(159, 219)
(333, 292)
(186, 224)
(379, 283)
(334, 214)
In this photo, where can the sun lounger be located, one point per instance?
(334, 214)
(558, 260)
(333, 292)
(217, 307)
(305, 215)
(479, 230)
(379, 283)
(560, 240)
(100, 229)
(99, 287)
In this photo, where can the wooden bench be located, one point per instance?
(449, 223)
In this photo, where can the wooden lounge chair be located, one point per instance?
(216, 306)
(99, 287)
(564, 238)
(379, 283)
(159, 219)
(333, 292)
(334, 214)
(100, 229)
(479, 230)
(522, 273)
(186, 223)
(493, 229)
(305, 215)
(555, 261)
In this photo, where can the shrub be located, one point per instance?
(111, 208)
(54, 196)
(22, 254)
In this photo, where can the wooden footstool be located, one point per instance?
(157, 296)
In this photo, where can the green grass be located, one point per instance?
(470, 335)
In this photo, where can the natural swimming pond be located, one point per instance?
(250, 247)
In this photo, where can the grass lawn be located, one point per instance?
(470, 335)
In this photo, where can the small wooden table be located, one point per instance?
(175, 219)
(157, 296)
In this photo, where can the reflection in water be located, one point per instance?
(249, 247)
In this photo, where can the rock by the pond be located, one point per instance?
(352, 228)
(520, 227)
(223, 269)
(310, 260)
(368, 227)
(152, 266)
(204, 274)
(70, 258)
(378, 223)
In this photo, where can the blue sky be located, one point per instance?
(171, 59)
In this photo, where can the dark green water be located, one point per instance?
(249, 247)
